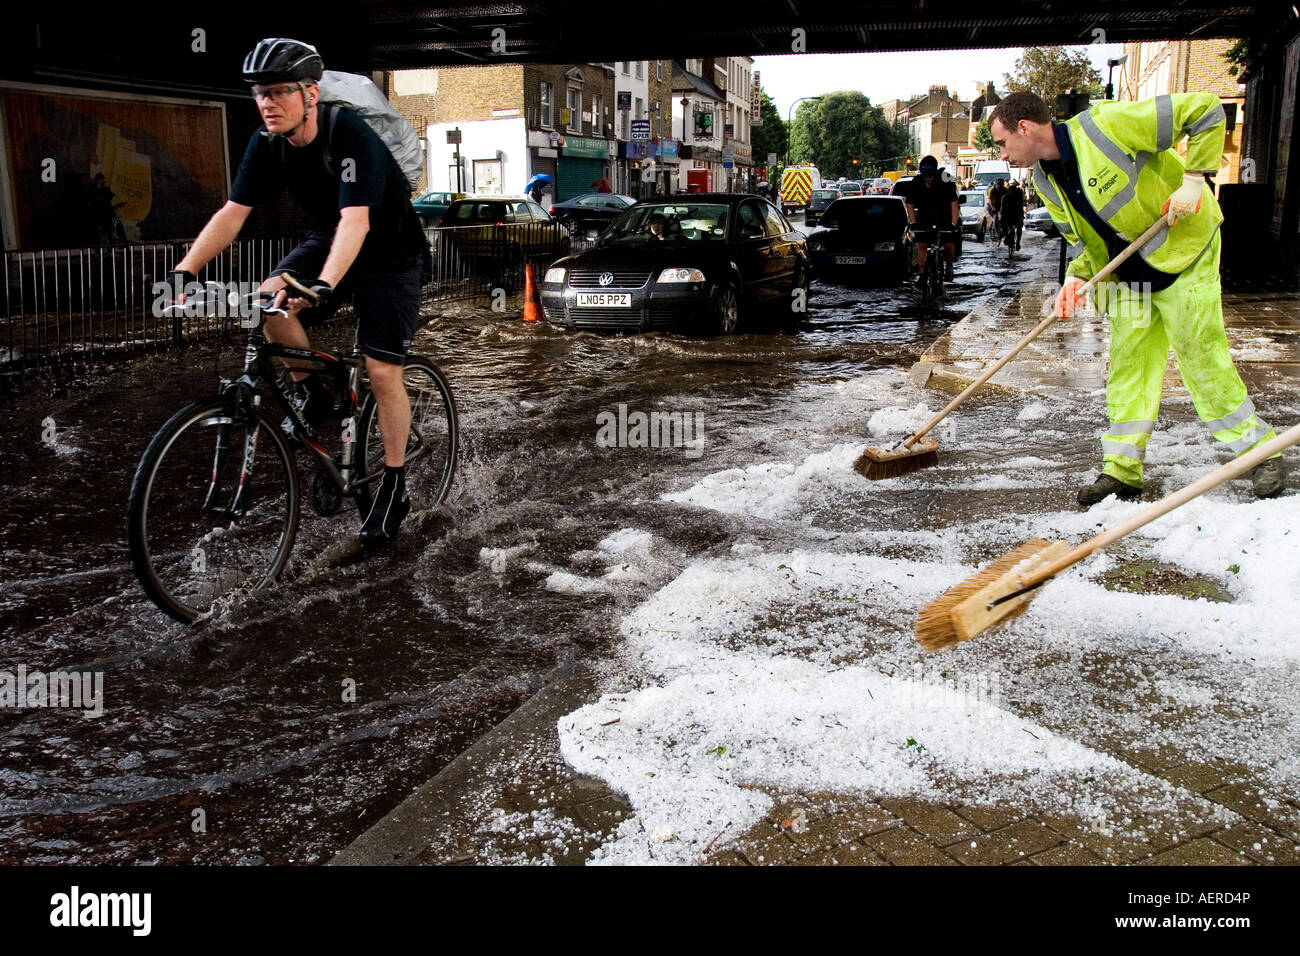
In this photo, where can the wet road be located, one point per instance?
(234, 741)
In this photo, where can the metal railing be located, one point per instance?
(62, 306)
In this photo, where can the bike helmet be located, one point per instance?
(279, 59)
(929, 166)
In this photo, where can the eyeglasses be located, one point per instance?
(275, 92)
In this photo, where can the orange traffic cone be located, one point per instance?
(532, 300)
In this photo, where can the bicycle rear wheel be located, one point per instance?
(194, 536)
(433, 443)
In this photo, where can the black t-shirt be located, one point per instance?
(933, 203)
(363, 172)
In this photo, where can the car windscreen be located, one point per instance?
(682, 222)
(873, 217)
(973, 198)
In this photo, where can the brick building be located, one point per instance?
(1184, 66)
(514, 121)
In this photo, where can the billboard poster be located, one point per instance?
(83, 167)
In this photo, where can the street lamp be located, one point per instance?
(1117, 61)
(789, 118)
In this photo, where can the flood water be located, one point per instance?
(233, 741)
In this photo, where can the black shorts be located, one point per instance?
(387, 303)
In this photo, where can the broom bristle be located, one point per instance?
(877, 463)
(935, 630)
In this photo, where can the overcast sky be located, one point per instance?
(887, 76)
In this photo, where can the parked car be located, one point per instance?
(590, 211)
(879, 187)
(821, 198)
(866, 237)
(495, 235)
(851, 188)
(1040, 221)
(432, 205)
(975, 217)
(701, 262)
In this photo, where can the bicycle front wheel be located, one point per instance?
(213, 508)
(432, 445)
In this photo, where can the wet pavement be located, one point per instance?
(1188, 737)
(239, 740)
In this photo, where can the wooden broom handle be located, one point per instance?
(1038, 330)
(1232, 469)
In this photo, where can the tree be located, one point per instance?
(842, 127)
(1051, 70)
(983, 136)
(772, 136)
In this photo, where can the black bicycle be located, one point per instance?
(935, 261)
(214, 504)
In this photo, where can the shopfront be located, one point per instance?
(582, 161)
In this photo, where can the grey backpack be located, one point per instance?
(359, 94)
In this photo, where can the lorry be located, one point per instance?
(797, 184)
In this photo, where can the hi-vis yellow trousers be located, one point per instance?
(1189, 317)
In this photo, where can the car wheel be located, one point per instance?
(724, 309)
(980, 235)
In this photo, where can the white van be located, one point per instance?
(989, 171)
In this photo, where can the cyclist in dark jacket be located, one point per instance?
(1013, 212)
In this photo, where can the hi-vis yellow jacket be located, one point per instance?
(1128, 168)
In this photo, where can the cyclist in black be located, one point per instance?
(994, 202)
(932, 202)
(361, 226)
(1012, 212)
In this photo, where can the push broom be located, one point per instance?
(917, 452)
(1007, 585)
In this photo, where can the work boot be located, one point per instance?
(1269, 478)
(947, 272)
(1104, 487)
(389, 508)
(921, 281)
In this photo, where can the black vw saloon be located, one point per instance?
(702, 263)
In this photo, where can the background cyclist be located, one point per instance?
(1012, 213)
(932, 202)
(361, 225)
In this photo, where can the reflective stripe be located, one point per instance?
(1243, 444)
(1142, 157)
(1123, 450)
(1212, 118)
(1045, 187)
(1077, 249)
(1116, 156)
(1243, 412)
(1164, 122)
(1152, 244)
(1135, 427)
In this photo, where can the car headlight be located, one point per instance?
(681, 275)
(885, 246)
(554, 275)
